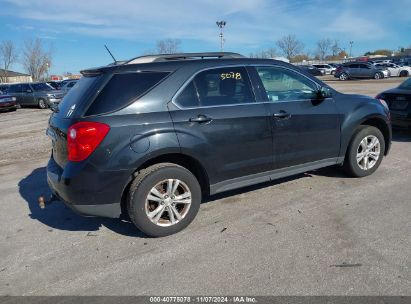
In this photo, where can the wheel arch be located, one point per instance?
(381, 125)
(184, 160)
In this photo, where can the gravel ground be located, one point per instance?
(319, 233)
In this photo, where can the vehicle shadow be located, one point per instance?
(59, 216)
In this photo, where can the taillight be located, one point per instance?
(83, 138)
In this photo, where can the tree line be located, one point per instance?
(293, 49)
(34, 56)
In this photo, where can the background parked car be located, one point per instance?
(326, 68)
(352, 70)
(38, 94)
(67, 85)
(7, 103)
(395, 70)
(312, 70)
(399, 103)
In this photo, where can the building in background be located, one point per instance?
(7, 76)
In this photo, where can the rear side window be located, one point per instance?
(121, 89)
(214, 87)
(14, 88)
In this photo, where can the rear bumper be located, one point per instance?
(6, 106)
(86, 190)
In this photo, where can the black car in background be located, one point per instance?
(152, 136)
(399, 103)
(312, 70)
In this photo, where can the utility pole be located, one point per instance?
(221, 25)
(351, 43)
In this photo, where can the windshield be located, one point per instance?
(42, 87)
(406, 84)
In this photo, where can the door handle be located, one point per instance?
(282, 115)
(200, 119)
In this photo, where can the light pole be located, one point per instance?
(221, 24)
(351, 43)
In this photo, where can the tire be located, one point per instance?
(42, 103)
(355, 149)
(378, 76)
(403, 73)
(343, 76)
(153, 178)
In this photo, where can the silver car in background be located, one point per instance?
(328, 69)
(395, 70)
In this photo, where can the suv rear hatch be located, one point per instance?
(69, 112)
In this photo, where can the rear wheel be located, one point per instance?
(378, 76)
(365, 152)
(163, 199)
(343, 76)
(403, 73)
(42, 104)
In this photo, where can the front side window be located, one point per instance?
(285, 85)
(222, 86)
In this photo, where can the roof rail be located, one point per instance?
(182, 56)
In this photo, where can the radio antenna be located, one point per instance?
(115, 61)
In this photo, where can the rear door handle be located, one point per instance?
(282, 115)
(200, 119)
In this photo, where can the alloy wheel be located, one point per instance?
(368, 152)
(168, 202)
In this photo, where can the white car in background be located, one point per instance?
(328, 69)
(395, 70)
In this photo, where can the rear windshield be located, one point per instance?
(78, 94)
(122, 89)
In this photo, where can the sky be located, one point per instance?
(77, 30)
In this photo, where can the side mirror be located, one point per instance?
(320, 95)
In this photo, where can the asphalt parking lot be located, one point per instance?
(319, 233)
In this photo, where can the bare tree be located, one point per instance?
(335, 48)
(323, 47)
(8, 56)
(36, 59)
(268, 53)
(168, 46)
(290, 46)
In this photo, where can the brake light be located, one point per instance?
(83, 138)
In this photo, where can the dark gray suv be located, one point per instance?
(150, 137)
(39, 94)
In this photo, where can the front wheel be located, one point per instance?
(163, 199)
(42, 104)
(343, 76)
(378, 76)
(365, 152)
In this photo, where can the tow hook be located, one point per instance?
(43, 202)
